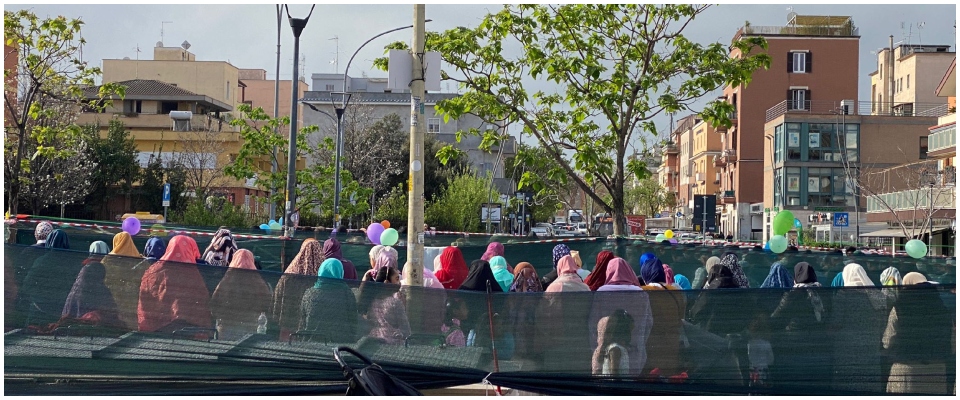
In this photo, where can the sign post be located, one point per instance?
(841, 220)
(166, 200)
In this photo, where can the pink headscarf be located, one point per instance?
(669, 273)
(568, 280)
(620, 273)
(495, 249)
(243, 259)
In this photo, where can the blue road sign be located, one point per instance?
(679, 214)
(166, 195)
(841, 220)
(797, 224)
(656, 215)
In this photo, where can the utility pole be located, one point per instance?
(413, 269)
(297, 24)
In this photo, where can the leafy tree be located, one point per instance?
(217, 212)
(319, 185)
(117, 164)
(202, 157)
(458, 207)
(649, 198)
(59, 180)
(541, 175)
(42, 95)
(616, 67)
(394, 207)
(155, 175)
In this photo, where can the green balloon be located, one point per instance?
(778, 244)
(661, 237)
(389, 237)
(916, 248)
(782, 223)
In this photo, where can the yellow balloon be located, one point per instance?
(668, 234)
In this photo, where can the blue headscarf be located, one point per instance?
(644, 257)
(559, 251)
(651, 271)
(331, 268)
(779, 277)
(499, 267)
(58, 240)
(155, 248)
(682, 281)
(837, 281)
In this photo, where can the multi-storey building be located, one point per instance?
(906, 78)
(813, 59)
(258, 91)
(706, 180)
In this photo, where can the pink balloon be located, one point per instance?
(131, 225)
(374, 231)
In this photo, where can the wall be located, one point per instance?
(260, 93)
(210, 78)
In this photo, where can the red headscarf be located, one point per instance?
(599, 275)
(453, 269)
(620, 273)
(172, 289)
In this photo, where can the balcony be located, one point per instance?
(155, 121)
(945, 198)
(857, 107)
(728, 197)
(842, 30)
(719, 161)
(671, 148)
(943, 139)
(700, 176)
(730, 155)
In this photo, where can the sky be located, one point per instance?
(246, 34)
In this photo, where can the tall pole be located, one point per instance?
(337, 162)
(413, 269)
(276, 113)
(297, 24)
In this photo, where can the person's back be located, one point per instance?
(330, 311)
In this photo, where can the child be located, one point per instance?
(456, 312)
(614, 334)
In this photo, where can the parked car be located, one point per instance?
(541, 231)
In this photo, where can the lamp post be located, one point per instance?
(297, 25)
(344, 99)
(851, 180)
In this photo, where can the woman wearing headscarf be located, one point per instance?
(331, 249)
(856, 320)
(523, 311)
(329, 308)
(559, 251)
(799, 326)
(580, 271)
(49, 280)
(453, 268)
(480, 275)
(917, 339)
(720, 311)
(90, 301)
(889, 279)
(733, 263)
(431, 322)
(622, 291)
(154, 249)
(300, 275)
(563, 310)
(380, 305)
(98, 249)
(599, 275)
(29, 255)
(240, 297)
(495, 249)
(124, 268)
(778, 277)
(682, 282)
(41, 233)
(220, 250)
(669, 275)
(837, 281)
(374, 252)
(499, 267)
(700, 276)
(668, 306)
(173, 294)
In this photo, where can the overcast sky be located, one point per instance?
(246, 35)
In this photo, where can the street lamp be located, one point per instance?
(297, 25)
(344, 98)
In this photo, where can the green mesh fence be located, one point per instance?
(121, 325)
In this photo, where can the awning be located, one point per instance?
(898, 232)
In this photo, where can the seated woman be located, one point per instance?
(49, 281)
(240, 298)
(172, 292)
(89, 301)
(329, 307)
(381, 307)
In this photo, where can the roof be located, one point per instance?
(324, 97)
(820, 20)
(949, 81)
(148, 89)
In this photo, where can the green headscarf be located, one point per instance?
(499, 267)
(331, 268)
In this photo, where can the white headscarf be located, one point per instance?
(854, 275)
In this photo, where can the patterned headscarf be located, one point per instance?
(43, 231)
(123, 246)
(154, 248)
(221, 248)
(244, 259)
(732, 262)
(778, 277)
(891, 277)
(525, 279)
(805, 277)
(308, 260)
(99, 248)
(559, 251)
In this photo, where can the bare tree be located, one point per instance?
(202, 156)
(59, 180)
(912, 193)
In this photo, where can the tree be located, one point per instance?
(44, 92)
(458, 207)
(117, 161)
(202, 157)
(615, 68)
(905, 192)
(540, 174)
(318, 187)
(59, 180)
(394, 207)
(155, 175)
(649, 198)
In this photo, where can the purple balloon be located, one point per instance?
(131, 225)
(374, 231)
(674, 241)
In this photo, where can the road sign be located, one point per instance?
(166, 195)
(841, 220)
(797, 224)
(679, 214)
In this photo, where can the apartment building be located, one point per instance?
(706, 180)
(680, 173)
(258, 91)
(814, 61)
(906, 78)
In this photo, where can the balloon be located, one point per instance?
(131, 225)
(916, 248)
(276, 226)
(385, 223)
(783, 222)
(778, 244)
(265, 227)
(661, 237)
(157, 229)
(374, 231)
(280, 221)
(674, 241)
(389, 237)
(668, 234)
(766, 246)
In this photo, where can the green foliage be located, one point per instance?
(117, 165)
(649, 198)
(542, 176)
(215, 212)
(617, 67)
(458, 208)
(318, 186)
(153, 177)
(394, 207)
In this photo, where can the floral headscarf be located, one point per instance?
(308, 260)
(778, 277)
(891, 277)
(525, 279)
(43, 231)
(559, 251)
(732, 262)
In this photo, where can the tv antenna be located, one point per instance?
(161, 32)
(336, 61)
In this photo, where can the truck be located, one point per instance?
(575, 216)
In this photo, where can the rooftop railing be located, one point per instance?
(856, 107)
(801, 30)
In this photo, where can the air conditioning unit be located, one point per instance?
(811, 218)
(848, 107)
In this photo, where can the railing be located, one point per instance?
(944, 139)
(857, 107)
(914, 199)
(157, 121)
(729, 193)
(801, 30)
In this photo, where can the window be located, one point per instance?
(908, 81)
(881, 71)
(132, 106)
(433, 125)
(923, 147)
(799, 62)
(167, 106)
(798, 99)
(329, 88)
(228, 89)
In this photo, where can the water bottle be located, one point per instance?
(262, 323)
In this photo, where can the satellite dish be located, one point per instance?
(159, 44)
(185, 45)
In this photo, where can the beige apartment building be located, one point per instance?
(258, 91)
(814, 65)
(680, 178)
(706, 145)
(909, 75)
